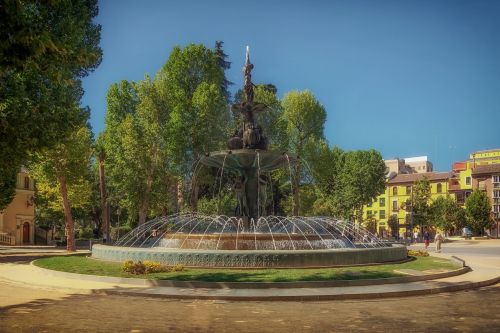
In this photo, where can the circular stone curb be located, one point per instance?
(252, 285)
(254, 258)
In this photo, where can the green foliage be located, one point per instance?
(224, 204)
(304, 117)
(45, 48)
(118, 232)
(421, 195)
(371, 225)
(85, 233)
(478, 212)
(393, 224)
(446, 214)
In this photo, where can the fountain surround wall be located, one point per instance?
(253, 258)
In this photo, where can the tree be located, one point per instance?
(420, 197)
(446, 214)
(371, 225)
(478, 211)
(64, 169)
(224, 65)
(192, 79)
(304, 118)
(100, 153)
(136, 144)
(362, 179)
(45, 48)
(393, 224)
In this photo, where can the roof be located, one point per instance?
(486, 169)
(413, 177)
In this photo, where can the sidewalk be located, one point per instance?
(483, 273)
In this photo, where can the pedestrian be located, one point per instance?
(415, 236)
(438, 240)
(426, 238)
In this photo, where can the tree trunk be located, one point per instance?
(296, 190)
(69, 229)
(180, 198)
(104, 201)
(195, 194)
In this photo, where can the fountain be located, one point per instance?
(250, 238)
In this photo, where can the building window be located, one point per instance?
(408, 190)
(369, 214)
(496, 194)
(26, 183)
(496, 179)
(467, 181)
(395, 206)
(439, 188)
(395, 190)
(382, 214)
(381, 202)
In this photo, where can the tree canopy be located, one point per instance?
(478, 211)
(45, 49)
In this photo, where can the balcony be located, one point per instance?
(454, 187)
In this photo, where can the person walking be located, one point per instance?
(438, 240)
(427, 238)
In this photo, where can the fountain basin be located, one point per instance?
(253, 258)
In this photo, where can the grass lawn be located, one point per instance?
(84, 265)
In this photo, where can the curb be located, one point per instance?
(282, 298)
(253, 285)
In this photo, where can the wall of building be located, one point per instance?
(20, 211)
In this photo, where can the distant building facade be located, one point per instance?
(481, 171)
(17, 220)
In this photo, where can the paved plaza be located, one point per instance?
(27, 309)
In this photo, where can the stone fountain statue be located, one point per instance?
(248, 156)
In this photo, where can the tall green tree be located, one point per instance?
(304, 118)
(65, 169)
(137, 146)
(46, 47)
(420, 199)
(478, 211)
(188, 73)
(224, 64)
(446, 214)
(362, 179)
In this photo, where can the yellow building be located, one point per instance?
(398, 192)
(463, 187)
(17, 220)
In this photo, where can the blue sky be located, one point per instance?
(404, 77)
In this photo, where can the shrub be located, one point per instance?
(137, 268)
(156, 267)
(85, 233)
(178, 268)
(418, 253)
(149, 266)
(117, 232)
